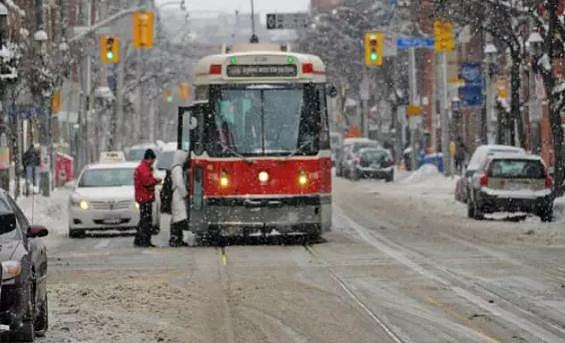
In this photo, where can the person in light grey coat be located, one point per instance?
(179, 210)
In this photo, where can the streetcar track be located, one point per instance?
(349, 291)
(458, 283)
(229, 334)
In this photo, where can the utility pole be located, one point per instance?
(444, 114)
(413, 87)
(364, 95)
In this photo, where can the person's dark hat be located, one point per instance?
(149, 155)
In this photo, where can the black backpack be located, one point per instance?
(166, 194)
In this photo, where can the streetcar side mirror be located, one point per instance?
(332, 91)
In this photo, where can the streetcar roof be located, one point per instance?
(213, 69)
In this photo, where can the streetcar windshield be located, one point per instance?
(265, 120)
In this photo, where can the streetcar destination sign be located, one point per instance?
(285, 21)
(242, 70)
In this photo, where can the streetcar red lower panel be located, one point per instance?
(263, 195)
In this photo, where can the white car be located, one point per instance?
(103, 199)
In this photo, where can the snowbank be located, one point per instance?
(50, 212)
(428, 174)
(559, 210)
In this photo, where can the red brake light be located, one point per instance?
(483, 180)
(548, 182)
(307, 68)
(215, 69)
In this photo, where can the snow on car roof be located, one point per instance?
(113, 165)
(482, 153)
(359, 140)
(514, 156)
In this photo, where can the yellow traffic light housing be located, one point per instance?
(374, 46)
(142, 29)
(110, 49)
(184, 91)
(56, 101)
(443, 32)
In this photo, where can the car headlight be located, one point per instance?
(11, 269)
(83, 205)
(136, 205)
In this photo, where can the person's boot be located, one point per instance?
(176, 236)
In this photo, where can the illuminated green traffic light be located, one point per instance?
(374, 56)
(169, 98)
(110, 55)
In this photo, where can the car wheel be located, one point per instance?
(470, 209)
(26, 332)
(546, 215)
(42, 318)
(478, 214)
(390, 176)
(76, 233)
(355, 175)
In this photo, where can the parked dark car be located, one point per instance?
(350, 148)
(372, 163)
(23, 298)
(511, 182)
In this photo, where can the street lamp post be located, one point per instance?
(488, 123)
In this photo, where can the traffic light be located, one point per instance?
(374, 45)
(56, 101)
(168, 96)
(110, 49)
(142, 29)
(443, 32)
(184, 91)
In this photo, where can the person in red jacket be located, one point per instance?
(144, 183)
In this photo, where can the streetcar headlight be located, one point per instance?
(302, 178)
(83, 205)
(263, 176)
(224, 179)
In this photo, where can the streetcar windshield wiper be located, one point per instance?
(299, 150)
(235, 153)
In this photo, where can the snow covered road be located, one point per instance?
(403, 264)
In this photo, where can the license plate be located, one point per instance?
(516, 186)
(112, 220)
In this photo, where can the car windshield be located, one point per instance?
(165, 160)
(515, 168)
(359, 146)
(378, 156)
(7, 222)
(110, 177)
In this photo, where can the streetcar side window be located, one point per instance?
(323, 110)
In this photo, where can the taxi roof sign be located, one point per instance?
(112, 156)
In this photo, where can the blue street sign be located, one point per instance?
(414, 42)
(27, 111)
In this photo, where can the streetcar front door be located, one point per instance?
(191, 138)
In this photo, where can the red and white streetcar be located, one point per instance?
(259, 142)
